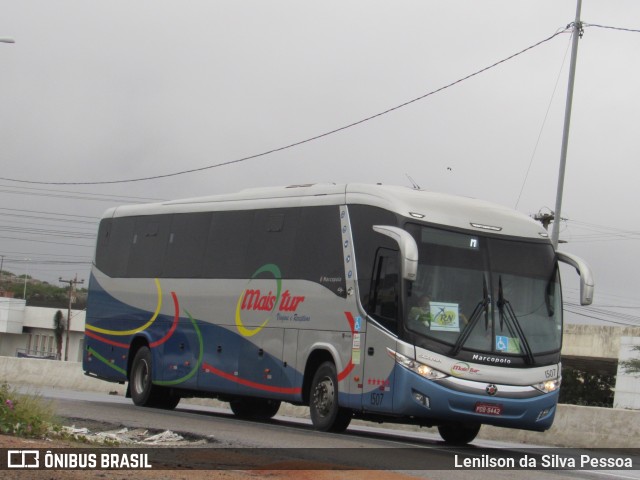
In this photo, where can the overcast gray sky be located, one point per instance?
(109, 90)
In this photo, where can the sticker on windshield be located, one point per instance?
(502, 343)
(507, 344)
(445, 317)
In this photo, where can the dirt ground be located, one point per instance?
(278, 473)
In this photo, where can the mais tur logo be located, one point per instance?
(254, 300)
(462, 368)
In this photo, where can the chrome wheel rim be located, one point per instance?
(141, 377)
(323, 397)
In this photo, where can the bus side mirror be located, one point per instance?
(408, 249)
(586, 276)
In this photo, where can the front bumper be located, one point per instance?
(443, 402)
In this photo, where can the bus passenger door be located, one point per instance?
(382, 328)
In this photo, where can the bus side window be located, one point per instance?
(383, 304)
(187, 244)
(114, 245)
(148, 246)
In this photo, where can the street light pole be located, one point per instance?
(7, 40)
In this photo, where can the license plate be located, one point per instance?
(489, 408)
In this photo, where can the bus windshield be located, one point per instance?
(485, 294)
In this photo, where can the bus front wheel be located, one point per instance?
(459, 433)
(326, 414)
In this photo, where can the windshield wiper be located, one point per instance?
(482, 306)
(507, 313)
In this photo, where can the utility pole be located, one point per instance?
(72, 287)
(577, 33)
(26, 276)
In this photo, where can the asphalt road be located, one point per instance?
(359, 447)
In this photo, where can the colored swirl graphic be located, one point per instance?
(273, 270)
(93, 332)
(125, 333)
(195, 367)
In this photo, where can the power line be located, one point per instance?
(607, 238)
(29, 221)
(47, 219)
(49, 213)
(73, 196)
(127, 198)
(600, 228)
(610, 27)
(604, 313)
(593, 317)
(45, 241)
(22, 255)
(301, 142)
(48, 232)
(544, 122)
(61, 263)
(600, 233)
(609, 297)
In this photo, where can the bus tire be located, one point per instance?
(255, 408)
(140, 385)
(143, 392)
(459, 433)
(326, 413)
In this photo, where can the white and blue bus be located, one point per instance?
(361, 301)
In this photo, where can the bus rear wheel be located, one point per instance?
(326, 414)
(255, 408)
(143, 392)
(459, 433)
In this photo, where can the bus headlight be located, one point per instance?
(549, 386)
(420, 368)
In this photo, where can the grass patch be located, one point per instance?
(24, 415)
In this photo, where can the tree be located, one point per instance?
(632, 367)
(59, 326)
(580, 387)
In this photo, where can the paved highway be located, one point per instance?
(359, 443)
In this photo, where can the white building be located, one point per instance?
(28, 331)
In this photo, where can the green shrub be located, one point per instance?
(23, 415)
(580, 387)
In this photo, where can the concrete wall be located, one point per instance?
(579, 427)
(52, 373)
(574, 426)
(595, 341)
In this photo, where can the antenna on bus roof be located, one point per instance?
(414, 185)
